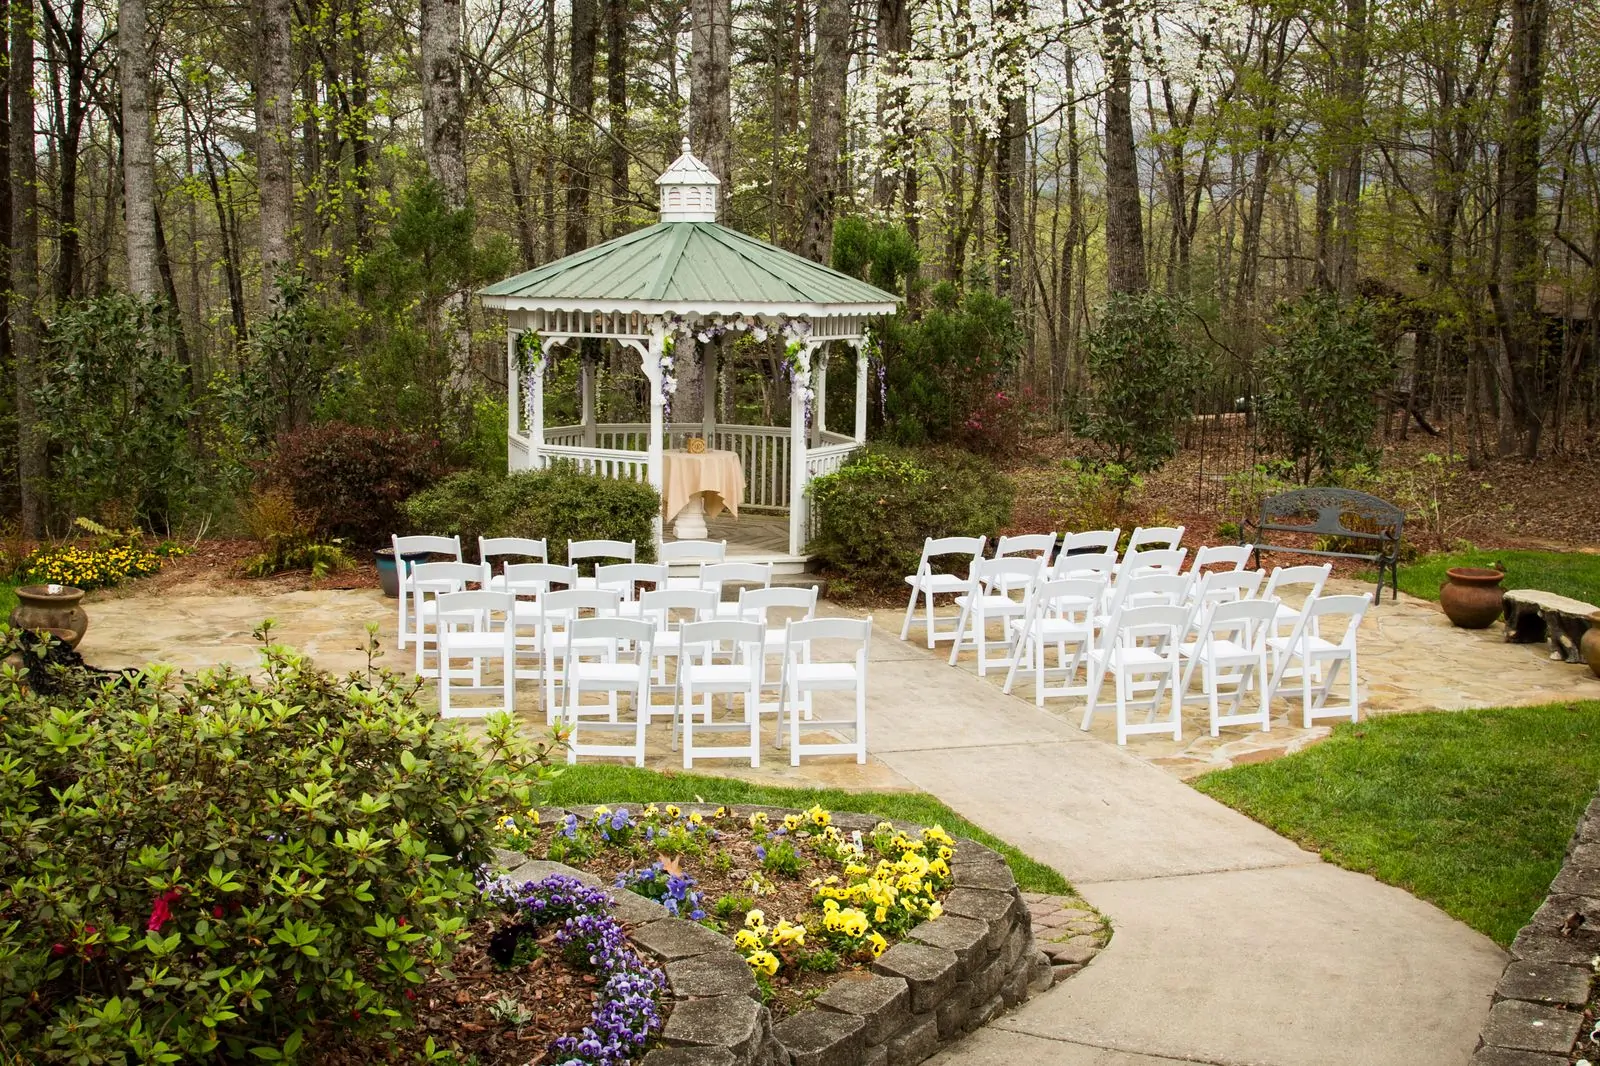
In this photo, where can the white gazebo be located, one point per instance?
(660, 291)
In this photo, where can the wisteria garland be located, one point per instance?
(627, 1012)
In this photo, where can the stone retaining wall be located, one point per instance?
(1539, 1002)
(943, 980)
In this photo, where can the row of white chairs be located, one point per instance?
(1150, 626)
(607, 633)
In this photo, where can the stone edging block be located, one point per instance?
(1540, 999)
(946, 978)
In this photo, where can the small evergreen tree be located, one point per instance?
(1140, 375)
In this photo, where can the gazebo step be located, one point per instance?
(787, 570)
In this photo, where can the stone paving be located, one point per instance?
(1068, 930)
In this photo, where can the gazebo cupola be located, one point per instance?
(662, 290)
(688, 190)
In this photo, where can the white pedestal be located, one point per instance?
(690, 523)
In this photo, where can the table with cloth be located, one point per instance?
(697, 486)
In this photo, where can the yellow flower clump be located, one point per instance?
(91, 568)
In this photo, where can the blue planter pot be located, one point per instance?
(388, 576)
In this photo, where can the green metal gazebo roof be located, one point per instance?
(689, 268)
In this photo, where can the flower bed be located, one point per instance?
(802, 899)
(93, 567)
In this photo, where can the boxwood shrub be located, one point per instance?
(558, 503)
(872, 515)
(208, 868)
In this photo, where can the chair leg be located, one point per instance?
(1011, 673)
(1122, 707)
(861, 714)
(1177, 704)
(911, 609)
(1210, 674)
(1305, 690)
(752, 711)
(1355, 707)
(1097, 677)
(927, 609)
(794, 728)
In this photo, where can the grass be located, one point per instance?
(1574, 574)
(1471, 810)
(8, 599)
(625, 784)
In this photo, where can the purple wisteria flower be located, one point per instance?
(627, 1011)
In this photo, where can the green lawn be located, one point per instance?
(1575, 574)
(624, 784)
(1471, 810)
(8, 599)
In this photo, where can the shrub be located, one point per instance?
(287, 540)
(1318, 383)
(1093, 496)
(1140, 375)
(873, 514)
(111, 557)
(353, 481)
(207, 868)
(559, 503)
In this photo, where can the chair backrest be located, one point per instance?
(933, 547)
(1085, 563)
(536, 579)
(490, 548)
(635, 631)
(718, 631)
(445, 577)
(1166, 625)
(715, 575)
(660, 604)
(755, 604)
(1315, 576)
(692, 551)
(1247, 621)
(627, 577)
(624, 550)
(570, 603)
(855, 633)
(1011, 570)
(1091, 540)
(1232, 556)
(478, 607)
(1035, 544)
(1168, 559)
(1153, 588)
(1332, 606)
(1063, 596)
(404, 546)
(1167, 536)
(1228, 586)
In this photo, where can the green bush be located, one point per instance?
(1141, 374)
(352, 480)
(558, 503)
(210, 869)
(873, 514)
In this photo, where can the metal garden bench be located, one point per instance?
(1342, 514)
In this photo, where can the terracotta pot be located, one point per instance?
(1471, 596)
(1591, 644)
(53, 607)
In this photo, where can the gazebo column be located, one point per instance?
(586, 391)
(535, 384)
(797, 449)
(650, 355)
(819, 404)
(708, 393)
(862, 370)
(513, 400)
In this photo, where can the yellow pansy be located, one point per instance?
(764, 961)
(745, 940)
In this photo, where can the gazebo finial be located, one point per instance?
(688, 190)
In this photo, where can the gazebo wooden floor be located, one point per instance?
(751, 534)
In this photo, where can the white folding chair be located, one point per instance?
(1101, 564)
(808, 669)
(1149, 588)
(1093, 540)
(626, 578)
(528, 582)
(1312, 653)
(468, 629)
(1232, 556)
(717, 576)
(1166, 559)
(926, 583)
(1165, 536)
(1061, 614)
(991, 596)
(512, 550)
(701, 675)
(1037, 545)
(449, 547)
(557, 611)
(429, 581)
(1230, 648)
(1312, 577)
(611, 655)
(1141, 650)
(797, 602)
(668, 610)
(1225, 586)
(596, 551)
(697, 552)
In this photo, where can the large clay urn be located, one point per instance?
(57, 608)
(1471, 596)
(1590, 645)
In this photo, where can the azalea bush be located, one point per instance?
(210, 868)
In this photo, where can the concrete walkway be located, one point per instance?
(1231, 945)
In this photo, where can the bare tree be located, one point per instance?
(710, 102)
(32, 461)
(444, 120)
(1125, 261)
(274, 132)
(825, 136)
(138, 150)
(580, 121)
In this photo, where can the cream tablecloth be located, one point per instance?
(718, 474)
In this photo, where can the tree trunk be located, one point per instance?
(829, 78)
(444, 121)
(138, 150)
(894, 40)
(32, 462)
(710, 98)
(1125, 262)
(617, 18)
(274, 126)
(580, 95)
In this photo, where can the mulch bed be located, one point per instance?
(469, 1010)
(1588, 1046)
